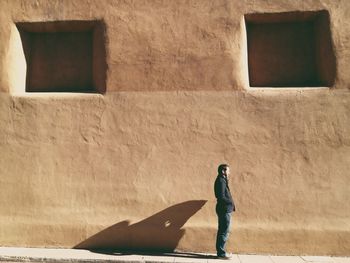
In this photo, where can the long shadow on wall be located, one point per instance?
(160, 232)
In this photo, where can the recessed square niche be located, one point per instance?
(292, 49)
(64, 56)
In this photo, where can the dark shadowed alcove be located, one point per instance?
(292, 49)
(64, 56)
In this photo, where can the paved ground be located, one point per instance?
(8, 254)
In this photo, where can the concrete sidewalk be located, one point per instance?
(12, 254)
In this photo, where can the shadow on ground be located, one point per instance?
(152, 253)
(159, 233)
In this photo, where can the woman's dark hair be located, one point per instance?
(222, 167)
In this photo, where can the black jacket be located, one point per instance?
(223, 196)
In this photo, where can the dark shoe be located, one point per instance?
(224, 257)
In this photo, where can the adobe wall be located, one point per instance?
(134, 166)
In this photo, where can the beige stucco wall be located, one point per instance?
(75, 167)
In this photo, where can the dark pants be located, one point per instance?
(223, 232)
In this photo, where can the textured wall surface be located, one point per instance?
(134, 167)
